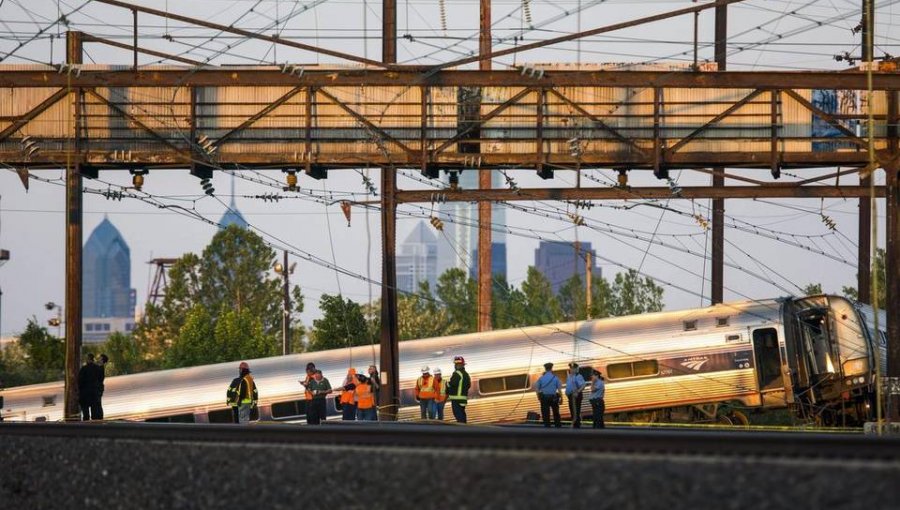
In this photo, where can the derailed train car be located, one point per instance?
(815, 355)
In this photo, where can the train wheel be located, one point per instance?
(738, 418)
(724, 420)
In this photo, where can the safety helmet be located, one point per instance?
(244, 366)
(459, 359)
(437, 371)
(425, 369)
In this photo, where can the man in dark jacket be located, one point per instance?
(458, 389)
(242, 394)
(90, 387)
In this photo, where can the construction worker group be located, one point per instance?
(359, 394)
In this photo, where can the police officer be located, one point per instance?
(458, 389)
(242, 394)
(90, 386)
(575, 384)
(548, 391)
(597, 398)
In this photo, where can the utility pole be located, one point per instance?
(285, 271)
(718, 204)
(863, 263)
(4, 258)
(589, 283)
(389, 397)
(485, 272)
(73, 243)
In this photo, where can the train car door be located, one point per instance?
(768, 367)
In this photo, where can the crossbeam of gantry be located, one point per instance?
(290, 116)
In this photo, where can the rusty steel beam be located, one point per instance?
(257, 76)
(389, 31)
(615, 193)
(366, 122)
(587, 33)
(30, 115)
(715, 120)
(245, 33)
(138, 123)
(599, 122)
(88, 38)
(262, 113)
(490, 115)
(717, 262)
(699, 161)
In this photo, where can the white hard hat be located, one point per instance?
(425, 369)
(437, 371)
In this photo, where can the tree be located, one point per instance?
(508, 305)
(879, 280)
(342, 325)
(812, 289)
(540, 305)
(419, 315)
(232, 280)
(45, 352)
(125, 356)
(631, 294)
(572, 299)
(459, 295)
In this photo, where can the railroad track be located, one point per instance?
(682, 443)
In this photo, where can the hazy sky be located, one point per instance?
(32, 224)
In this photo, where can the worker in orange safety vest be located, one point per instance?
(348, 396)
(425, 393)
(365, 399)
(440, 395)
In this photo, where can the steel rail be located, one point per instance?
(684, 443)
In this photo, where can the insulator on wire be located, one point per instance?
(829, 222)
(437, 223)
(526, 10)
(443, 9)
(703, 222)
(576, 219)
(207, 187)
(345, 207)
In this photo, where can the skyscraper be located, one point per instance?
(558, 261)
(417, 259)
(232, 215)
(107, 297)
(458, 246)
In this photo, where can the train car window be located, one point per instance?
(500, 384)
(721, 322)
(177, 418)
(690, 325)
(645, 367)
(49, 400)
(338, 406)
(641, 368)
(619, 371)
(288, 409)
(221, 416)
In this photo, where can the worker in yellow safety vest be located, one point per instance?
(242, 394)
(458, 389)
(365, 399)
(425, 393)
(307, 394)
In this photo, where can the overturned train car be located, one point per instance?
(815, 355)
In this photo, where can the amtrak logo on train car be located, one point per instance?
(695, 363)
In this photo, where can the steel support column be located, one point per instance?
(389, 397)
(717, 279)
(389, 31)
(485, 273)
(73, 244)
(390, 353)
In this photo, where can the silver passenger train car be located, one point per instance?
(815, 355)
